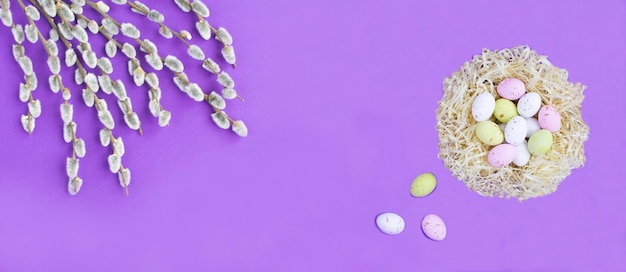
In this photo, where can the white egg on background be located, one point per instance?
(483, 107)
(390, 223)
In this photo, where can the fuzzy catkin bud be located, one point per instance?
(71, 167)
(148, 47)
(92, 82)
(67, 112)
(79, 148)
(200, 8)
(110, 26)
(129, 51)
(70, 57)
(49, 7)
(110, 48)
(54, 64)
(65, 12)
(139, 76)
(31, 33)
(106, 119)
(119, 90)
(153, 80)
(141, 7)
(211, 66)
(6, 16)
(90, 58)
(93, 27)
(105, 84)
(88, 97)
(65, 31)
(26, 64)
(32, 13)
(125, 105)
(229, 93)
(228, 52)
(31, 81)
(124, 176)
(18, 33)
(194, 91)
(80, 34)
(129, 30)
(195, 52)
(105, 65)
(240, 128)
(166, 32)
(24, 93)
(164, 118)
(34, 108)
(73, 185)
(183, 5)
(132, 120)
(156, 16)
(68, 131)
(118, 147)
(154, 107)
(154, 61)
(55, 83)
(78, 77)
(220, 120)
(103, 6)
(174, 64)
(225, 80)
(52, 47)
(216, 101)
(114, 163)
(204, 29)
(76, 9)
(224, 36)
(105, 137)
(28, 123)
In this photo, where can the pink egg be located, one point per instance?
(434, 228)
(502, 155)
(511, 88)
(549, 118)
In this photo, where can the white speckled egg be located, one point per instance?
(522, 155)
(511, 88)
(549, 118)
(483, 107)
(433, 227)
(390, 223)
(529, 104)
(501, 155)
(532, 125)
(515, 130)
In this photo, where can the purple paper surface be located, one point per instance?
(340, 100)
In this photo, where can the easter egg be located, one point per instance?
(489, 133)
(423, 185)
(390, 223)
(483, 107)
(434, 227)
(540, 142)
(501, 155)
(522, 156)
(515, 130)
(549, 118)
(511, 88)
(529, 104)
(505, 110)
(532, 126)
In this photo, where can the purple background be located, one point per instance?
(340, 103)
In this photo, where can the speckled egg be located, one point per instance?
(501, 155)
(515, 130)
(505, 110)
(434, 227)
(529, 104)
(390, 223)
(532, 125)
(549, 118)
(511, 88)
(540, 142)
(489, 133)
(423, 185)
(483, 107)
(522, 156)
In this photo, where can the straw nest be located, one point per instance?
(466, 156)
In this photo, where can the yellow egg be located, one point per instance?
(505, 110)
(423, 185)
(489, 133)
(540, 142)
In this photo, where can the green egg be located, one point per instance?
(505, 110)
(423, 185)
(540, 142)
(489, 133)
